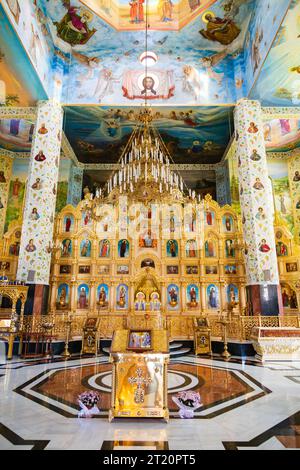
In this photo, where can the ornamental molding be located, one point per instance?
(68, 151)
(13, 112)
(281, 112)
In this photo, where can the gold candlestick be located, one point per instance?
(66, 353)
(226, 354)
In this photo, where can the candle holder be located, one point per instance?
(66, 353)
(226, 354)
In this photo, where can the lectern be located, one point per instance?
(139, 388)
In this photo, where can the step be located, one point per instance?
(180, 352)
(175, 345)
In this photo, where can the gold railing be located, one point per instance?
(179, 326)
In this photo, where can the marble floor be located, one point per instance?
(244, 406)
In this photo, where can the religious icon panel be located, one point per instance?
(85, 248)
(172, 248)
(68, 223)
(227, 223)
(212, 293)
(122, 296)
(62, 296)
(102, 295)
(123, 248)
(173, 297)
(66, 248)
(83, 296)
(232, 293)
(192, 296)
(104, 248)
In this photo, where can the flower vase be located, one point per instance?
(185, 412)
(86, 412)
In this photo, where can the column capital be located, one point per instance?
(242, 102)
(52, 102)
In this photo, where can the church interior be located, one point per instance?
(149, 225)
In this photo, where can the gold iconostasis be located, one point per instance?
(94, 270)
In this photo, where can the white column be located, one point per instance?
(37, 233)
(255, 195)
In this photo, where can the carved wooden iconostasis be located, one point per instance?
(94, 272)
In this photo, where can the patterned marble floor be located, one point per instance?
(244, 406)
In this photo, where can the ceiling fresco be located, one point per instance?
(30, 25)
(198, 135)
(278, 83)
(162, 15)
(23, 87)
(200, 64)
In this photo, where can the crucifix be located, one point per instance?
(140, 381)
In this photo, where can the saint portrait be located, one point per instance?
(74, 27)
(264, 247)
(258, 184)
(34, 214)
(172, 248)
(212, 296)
(37, 184)
(104, 248)
(85, 248)
(68, 223)
(43, 130)
(66, 248)
(83, 296)
(221, 30)
(30, 247)
(40, 157)
(254, 156)
(173, 296)
(227, 223)
(123, 248)
(252, 129)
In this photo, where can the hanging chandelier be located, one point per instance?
(143, 171)
(145, 166)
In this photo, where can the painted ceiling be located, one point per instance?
(278, 83)
(206, 55)
(197, 135)
(202, 53)
(23, 88)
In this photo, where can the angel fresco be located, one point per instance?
(73, 27)
(209, 62)
(104, 84)
(222, 30)
(89, 63)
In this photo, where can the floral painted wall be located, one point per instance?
(279, 174)
(17, 190)
(5, 175)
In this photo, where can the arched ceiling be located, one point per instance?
(87, 53)
(131, 16)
